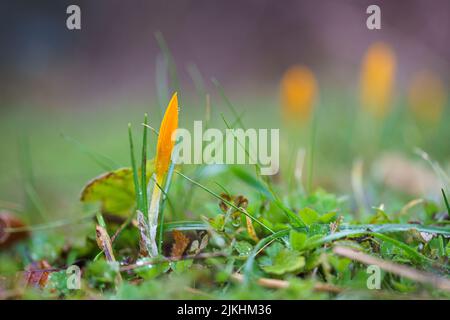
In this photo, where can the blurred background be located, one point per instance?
(62, 90)
(247, 45)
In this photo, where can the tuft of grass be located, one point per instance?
(312, 150)
(445, 201)
(226, 202)
(34, 203)
(175, 83)
(101, 160)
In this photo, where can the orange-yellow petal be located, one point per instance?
(165, 143)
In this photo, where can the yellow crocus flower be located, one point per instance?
(377, 79)
(298, 92)
(427, 96)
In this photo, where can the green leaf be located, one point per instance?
(321, 201)
(380, 217)
(217, 223)
(313, 241)
(101, 272)
(312, 261)
(339, 264)
(181, 266)
(327, 217)
(248, 267)
(58, 281)
(447, 249)
(431, 208)
(283, 262)
(114, 190)
(309, 216)
(243, 248)
(151, 271)
(297, 240)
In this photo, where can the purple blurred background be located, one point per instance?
(244, 44)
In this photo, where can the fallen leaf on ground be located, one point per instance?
(10, 221)
(37, 273)
(180, 244)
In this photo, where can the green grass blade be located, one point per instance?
(162, 225)
(297, 220)
(165, 197)
(100, 220)
(253, 182)
(312, 151)
(417, 255)
(198, 80)
(185, 226)
(393, 227)
(34, 203)
(248, 267)
(169, 60)
(101, 160)
(26, 165)
(440, 173)
(356, 230)
(137, 188)
(144, 166)
(161, 83)
(446, 201)
(226, 201)
(227, 101)
(52, 225)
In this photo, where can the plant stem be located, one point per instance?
(153, 219)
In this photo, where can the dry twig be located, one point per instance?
(395, 268)
(282, 284)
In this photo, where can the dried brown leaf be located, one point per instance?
(104, 243)
(204, 242)
(180, 244)
(251, 230)
(241, 202)
(37, 273)
(144, 241)
(223, 206)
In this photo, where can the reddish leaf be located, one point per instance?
(10, 221)
(37, 274)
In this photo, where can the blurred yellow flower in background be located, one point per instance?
(377, 79)
(427, 96)
(298, 92)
